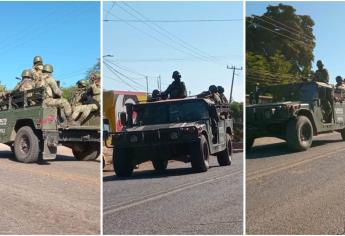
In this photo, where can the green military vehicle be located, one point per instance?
(296, 113)
(33, 131)
(187, 130)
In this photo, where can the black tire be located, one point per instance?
(123, 165)
(86, 152)
(224, 157)
(160, 165)
(26, 145)
(200, 155)
(299, 133)
(249, 142)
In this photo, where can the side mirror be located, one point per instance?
(123, 118)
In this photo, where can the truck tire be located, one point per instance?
(123, 165)
(26, 145)
(200, 155)
(160, 165)
(224, 157)
(299, 133)
(86, 152)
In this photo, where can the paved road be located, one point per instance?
(57, 197)
(296, 193)
(177, 202)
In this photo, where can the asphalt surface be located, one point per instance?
(296, 193)
(176, 202)
(55, 197)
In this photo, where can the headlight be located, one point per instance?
(133, 139)
(173, 135)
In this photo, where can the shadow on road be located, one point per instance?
(152, 174)
(9, 155)
(279, 149)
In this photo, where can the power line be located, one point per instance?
(273, 31)
(176, 21)
(157, 39)
(278, 22)
(298, 34)
(119, 77)
(123, 75)
(164, 34)
(170, 35)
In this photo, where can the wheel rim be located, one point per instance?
(305, 133)
(24, 144)
(205, 152)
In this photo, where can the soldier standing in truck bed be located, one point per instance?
(321, 74)
(176, 89)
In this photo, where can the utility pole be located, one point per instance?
(233, 68)
(147, 84)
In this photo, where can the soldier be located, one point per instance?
(221, 94)
(52, 96)
(321, 74)
(214, 96)
(26, 83)
(78, 94)
(340, 82)
(156, 96)
(176, 89)
(37, 68)
(91, 99)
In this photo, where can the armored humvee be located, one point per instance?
(188, 130)
(34, 131)
(296, 113)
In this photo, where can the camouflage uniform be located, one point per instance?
(321, 74)
(26, 82)
(176, 89)
(76, 99)
(93, 98)
(53, 95)
(37, 68)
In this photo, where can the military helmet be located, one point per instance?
(212, 89)
(47, 68)
(176, 75)
(220, 89)
(339, 79)
(319, 63)
(156, 93)
(26, 73)
(82, 83)
(38, 59)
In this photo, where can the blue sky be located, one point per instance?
(328, 30)
(223, 41)
(65, 34)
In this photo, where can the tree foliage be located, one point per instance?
(68, 91)
(279, 46)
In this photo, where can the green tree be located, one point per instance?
(279, 46)
(68, 91)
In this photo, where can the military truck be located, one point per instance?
(296, 113)
(34, 131)
(187, 130)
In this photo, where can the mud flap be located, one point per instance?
(50, 143)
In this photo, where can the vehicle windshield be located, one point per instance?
(292, 92)
(162, 113)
